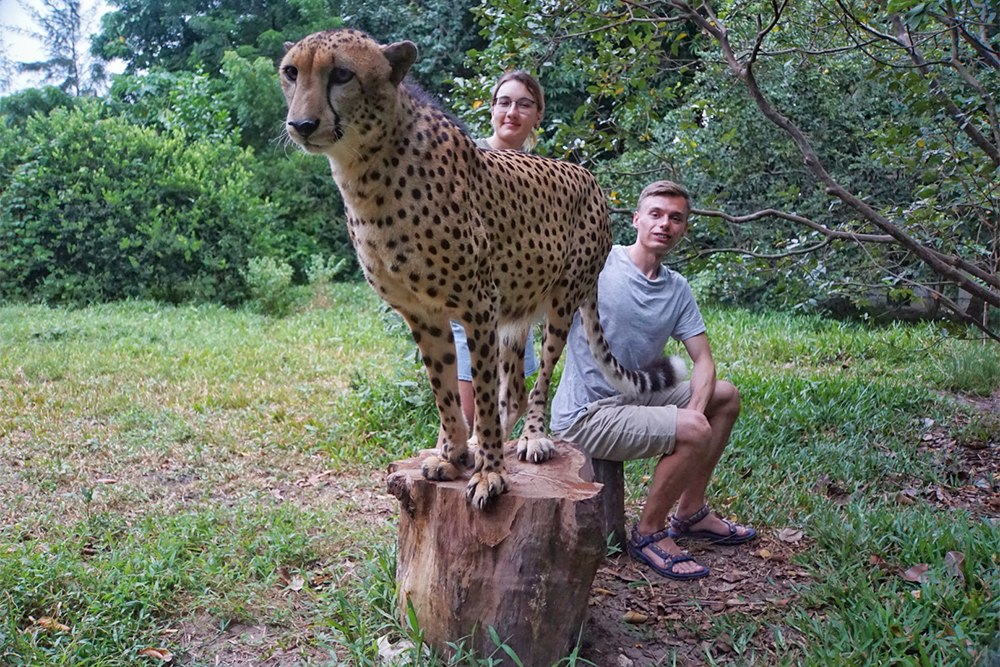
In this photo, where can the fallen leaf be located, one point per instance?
(954, 564)
(107, 480)
(915, 593)
(159, 653)
(916, 573)
(51, 624)
(790, 535)
(634, 618)
(880, 563)
(764, 553)
(293, 581)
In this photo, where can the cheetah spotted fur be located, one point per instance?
(447, 231)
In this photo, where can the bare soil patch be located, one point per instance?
(641, 618)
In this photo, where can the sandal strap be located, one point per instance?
(642, 541)
(669, 560)
(684, 525)
(733, 530)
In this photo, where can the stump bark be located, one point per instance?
(522, 567)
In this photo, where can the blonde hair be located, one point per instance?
(534, 88)
(665, 189)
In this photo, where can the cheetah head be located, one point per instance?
(340, 86)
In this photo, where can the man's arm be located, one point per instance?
(703, 373)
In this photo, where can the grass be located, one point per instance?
(209, 482)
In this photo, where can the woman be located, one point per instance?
(516, 110)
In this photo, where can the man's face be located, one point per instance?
(661, 222)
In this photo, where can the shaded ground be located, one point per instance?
(640, 618)
(967, 451)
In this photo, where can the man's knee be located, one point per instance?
(693, 430)
(726, 398)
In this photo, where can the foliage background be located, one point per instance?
(635, 92)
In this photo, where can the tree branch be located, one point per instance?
(715, 28)
(812, 224)
(740, 251)
(960, 119)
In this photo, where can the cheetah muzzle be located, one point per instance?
(447, 231)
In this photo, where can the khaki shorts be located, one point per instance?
(616, 429)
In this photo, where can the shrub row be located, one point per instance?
(96, 207)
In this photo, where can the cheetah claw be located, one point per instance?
(484, 487)
(536, 450)
(438, 469)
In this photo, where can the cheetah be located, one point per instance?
(445, 231)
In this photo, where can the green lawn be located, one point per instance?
(209, 482)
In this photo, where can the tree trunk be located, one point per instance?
(522, 567)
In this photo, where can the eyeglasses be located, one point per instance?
(523, 104)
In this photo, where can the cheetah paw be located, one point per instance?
(484, 487)
(438, 469)
(536, 450)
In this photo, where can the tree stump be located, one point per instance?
(611, 475)
(522, 567)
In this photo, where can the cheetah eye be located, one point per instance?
(291, 73)
(340, 75)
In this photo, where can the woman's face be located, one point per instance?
(515, 113)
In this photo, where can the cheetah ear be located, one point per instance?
(401, 57)
(288, 46)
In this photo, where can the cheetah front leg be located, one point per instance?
(437, 349)
(489, 478)
(534, 444)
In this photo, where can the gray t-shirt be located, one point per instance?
(639, 316)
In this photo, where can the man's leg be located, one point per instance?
(618, 431)
(671, 476)
(722, 411)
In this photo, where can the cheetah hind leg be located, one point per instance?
(513, 396)
(534, 444)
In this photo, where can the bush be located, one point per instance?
(270, 283)
(96, 209)
(309, 210)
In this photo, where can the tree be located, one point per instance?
(61, 27)
(190, 34)
(6, 68)
(931, 133)
(176, 35)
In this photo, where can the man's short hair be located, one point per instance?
(665, 189)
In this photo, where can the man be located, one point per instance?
(643, 304)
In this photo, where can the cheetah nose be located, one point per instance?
(304, 127)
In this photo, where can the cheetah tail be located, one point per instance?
(664, 373)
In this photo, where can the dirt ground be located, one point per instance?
(640, 618)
